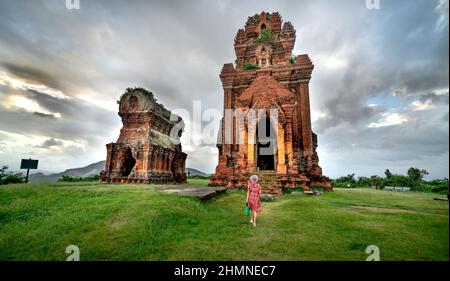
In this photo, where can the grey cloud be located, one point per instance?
(441, 99)
(398, 51)
(177, 48)
(44, 115)
(30, 74)
(78, 118)
(50, 143)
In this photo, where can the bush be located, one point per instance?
(443, 189)
(67, 178)
(345, 182)
(319, 189)
(165, 113)
(398, 181)
(439, 186)
(242, 188)
(290, 190)
(10, 177)
(413, 179)
(292, 59)
(364, 182)
(265, 36)
(16, 178)
(198, 177)
(249, 66)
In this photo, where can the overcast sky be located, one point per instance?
(379, 90)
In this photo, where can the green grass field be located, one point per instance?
(112, 222)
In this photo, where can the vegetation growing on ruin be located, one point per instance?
(249, 66)
(265, 37)
(254, 19)
(164, 112)
(292, 59)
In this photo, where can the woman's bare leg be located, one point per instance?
(254, 218)
(251, 216)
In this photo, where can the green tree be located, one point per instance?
(3, 172)
(347, 181)
(376, 181)
(416, 175)
(363, 182)
(10, 177)
(388, 174)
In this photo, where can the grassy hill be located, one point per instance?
(112, 222)
(194, 172)
(89, 170)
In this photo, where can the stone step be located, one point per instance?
(268, 182)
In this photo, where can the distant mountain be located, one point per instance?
(92, 169)
(194, 172)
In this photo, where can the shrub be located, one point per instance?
(439, 186)
(164, 112)
(10, 177)
(249, 66)
(345, 182)
(292, 59)
(265, 36)
(364, 182)
(66, 178)
(413, 179)
(198, 177)
(443, 189)
(242, 188)
(319, 188)
(13, 178)
(397, 181)
(290, 190)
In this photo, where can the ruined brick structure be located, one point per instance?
(268, 77)
(145, 151)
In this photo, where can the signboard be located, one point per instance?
(29, 164)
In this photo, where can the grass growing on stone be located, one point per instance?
(133, 222)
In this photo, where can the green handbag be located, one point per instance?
(247, 210)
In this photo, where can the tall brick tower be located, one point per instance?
(267, 78)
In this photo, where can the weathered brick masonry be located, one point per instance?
(280, 82)
(144, 152)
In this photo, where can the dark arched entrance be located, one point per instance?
(128, 162)
(266, 145)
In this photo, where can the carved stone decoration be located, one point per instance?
(281, 83)
(264, 56)
(148, 148)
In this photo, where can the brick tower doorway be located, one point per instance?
(128, 162)
(266, 145)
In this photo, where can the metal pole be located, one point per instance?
(28, 172)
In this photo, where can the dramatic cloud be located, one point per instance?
(50, 142)
(379, 92)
